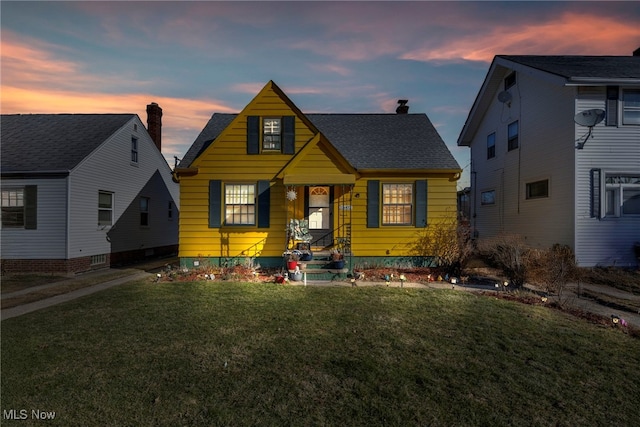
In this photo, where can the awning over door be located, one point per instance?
(323, 179)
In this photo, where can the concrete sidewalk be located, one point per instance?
(58, 299)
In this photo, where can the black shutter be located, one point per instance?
(289, 134)
(264, 201)
(373, 204)
(612, 106)
(215, 202)
(253, 135)
(31, 207)
(421, 203)
(596, 194)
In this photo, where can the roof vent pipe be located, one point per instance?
(403, 108)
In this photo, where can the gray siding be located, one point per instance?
(545, 115)
(606, 241)
(48, 241)
(110, 168)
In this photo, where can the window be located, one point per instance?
(622, 194)
(631, 107)
(397, 204)
(271, 132)
(240, 204)
(13, 207)
(170, 210)
(538, 189)
(134, 150)
(512, 133)
(510, 80)
(491, 146)
(98, 259)
(105, 208)
(488, 197)
(19, 207)
(144, 211)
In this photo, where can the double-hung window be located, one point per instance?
(134, 149)
(271, 132)
(144, 211)
(512, 136)
(537, 189)
(622, 194)
(13, 207)
(105, 208)
(397, 204)
(240, 204)
(631, 107)
(491, 145)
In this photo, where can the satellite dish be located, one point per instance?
(589, 118)
(504, 97)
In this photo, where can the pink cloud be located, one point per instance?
(570, 34)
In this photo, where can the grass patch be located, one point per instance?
(619, 278)
(17, 282)
(256, 354)
(62, 286)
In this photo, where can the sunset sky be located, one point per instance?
(197, 58)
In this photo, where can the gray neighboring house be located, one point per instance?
(84, 191)
(539, 170)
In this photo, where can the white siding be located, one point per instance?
(48, 241)
(608, 241)
(546, 139)
(109, 168)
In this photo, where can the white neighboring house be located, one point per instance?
(84, 191)
(537, 173)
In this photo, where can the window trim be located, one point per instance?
(493, 198)
(616, 210)
(398, 214)
(109, 209)
(144, 213)
(630, 109)
(254, 204)
(513, 142)
(134, 150)
(510, 80)
(491, 148)
(264, 135)
(530, 184)
(17, 210)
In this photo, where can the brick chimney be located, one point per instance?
(154, 124)
(403, 108)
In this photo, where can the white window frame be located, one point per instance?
(271, 135)
(104, 208)
(614, 185)
(397, 203)
(134, 150)
(240, 205)
(13, 200)
(630, 109)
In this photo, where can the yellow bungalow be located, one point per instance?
(362, 184)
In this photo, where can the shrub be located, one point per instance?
(448, 241)
(552, 268)
(510, 253)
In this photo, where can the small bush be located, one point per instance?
(449, 242)
(510, 253)
(552, 268)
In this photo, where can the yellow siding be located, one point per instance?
(226, 160)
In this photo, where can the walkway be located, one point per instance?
(570, 296)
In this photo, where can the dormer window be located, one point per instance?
(271, 132)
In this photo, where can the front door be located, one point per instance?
(318, 202)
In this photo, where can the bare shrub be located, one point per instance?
(448, 241)
(510, 253)
(552, 268)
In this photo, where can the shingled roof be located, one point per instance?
(53, 142)
(366, 141)
(581, 67)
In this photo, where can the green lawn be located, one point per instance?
(227, 354)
